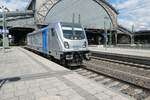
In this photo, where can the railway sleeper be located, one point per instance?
(124, 76)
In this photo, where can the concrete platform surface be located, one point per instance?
(27, 76)
(134, 52)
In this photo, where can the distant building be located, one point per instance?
(124, 36)
(142, 37)
(139, 38)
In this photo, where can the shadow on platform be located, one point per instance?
(13, 79)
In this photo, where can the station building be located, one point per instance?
(98, 17)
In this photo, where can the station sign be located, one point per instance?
(2, 31)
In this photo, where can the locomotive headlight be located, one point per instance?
(66, 45)
(84, 45)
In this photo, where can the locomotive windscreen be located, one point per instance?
(73, 34)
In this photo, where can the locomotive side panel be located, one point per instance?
(55, 45)
(38, 40)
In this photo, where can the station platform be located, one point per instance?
(27, 76)
(123, 51)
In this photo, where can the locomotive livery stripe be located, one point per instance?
(44, 40)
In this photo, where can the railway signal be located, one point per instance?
(5, 38)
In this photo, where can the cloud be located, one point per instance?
(12, 5)
(134, 12)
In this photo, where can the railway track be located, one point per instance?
(129, 59)
(134, 75)
(132, 69)
(147, 67)
(128, 78)
(115, 85)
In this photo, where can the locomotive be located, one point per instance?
(66, 42)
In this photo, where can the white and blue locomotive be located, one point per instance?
(66, 42)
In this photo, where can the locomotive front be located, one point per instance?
(75, 44)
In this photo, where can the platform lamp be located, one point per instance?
(5, 39)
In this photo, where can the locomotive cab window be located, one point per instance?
(79, 34)
(53, 31)
(75, 34)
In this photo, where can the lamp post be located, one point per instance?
(5, 39)
(110, 35)
(132, 38)
(105, 29)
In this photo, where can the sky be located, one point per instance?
(12, 5)
(131, 12)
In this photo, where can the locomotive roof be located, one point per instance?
(65, 24)
(39, 30)
(71, 24)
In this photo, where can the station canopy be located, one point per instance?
(88, 12)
